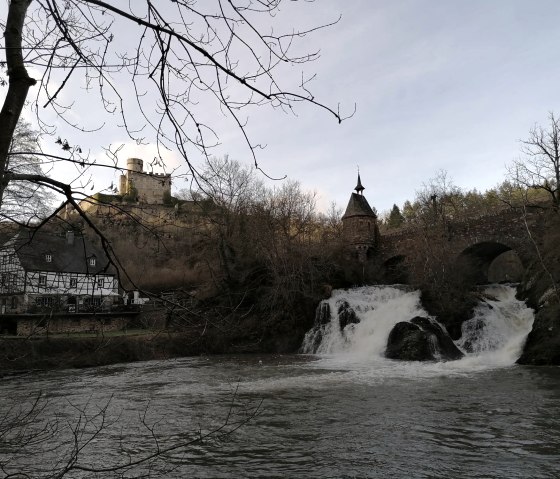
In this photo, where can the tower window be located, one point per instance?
(92, 261)
(48, 258)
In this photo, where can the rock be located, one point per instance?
(322, 313)
(542, 276)
(421, 339)
(408, 342)
(543, 343)
(445, 346)
(451, 309)
(346, 315)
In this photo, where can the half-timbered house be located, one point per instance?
(45, 271)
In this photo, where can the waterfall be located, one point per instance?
(361, 319)
(499, 326)
(358, 322)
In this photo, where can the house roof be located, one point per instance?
(358, 206)
(66, 257)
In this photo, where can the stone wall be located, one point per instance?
(150, 188)
(78, 323)
(360, 230)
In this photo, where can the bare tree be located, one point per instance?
(178, 60)
(540, 167)
(439, 199)
(73, 443)
(25, 201)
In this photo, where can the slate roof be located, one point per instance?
(65, 258)
(358, 206)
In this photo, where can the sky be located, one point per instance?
(448, 85)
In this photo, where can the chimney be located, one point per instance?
(70, 238)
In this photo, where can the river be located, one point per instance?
(321, 416)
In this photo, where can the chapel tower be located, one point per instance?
(359, 224)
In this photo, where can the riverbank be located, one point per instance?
(247, 334)
(80, 351)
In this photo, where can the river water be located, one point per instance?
(339, 415)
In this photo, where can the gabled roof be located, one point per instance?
(358, 206)
(66, 257)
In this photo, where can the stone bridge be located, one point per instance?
(492, 248)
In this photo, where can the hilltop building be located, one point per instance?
(149, 188)
(359, 223)
(144, 196)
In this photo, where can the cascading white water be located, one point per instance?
(499, 326)
(495, 335)
(378, 309)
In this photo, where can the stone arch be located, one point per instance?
(476, 260)
(395, 270)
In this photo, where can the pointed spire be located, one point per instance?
(359, 188)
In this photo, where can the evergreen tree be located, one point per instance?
(396, 219)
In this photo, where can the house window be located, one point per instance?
(44, 301)
(73, 282)
(92, 261)
(42, 280)
(48, 258)
(100, 282)
(92, 301)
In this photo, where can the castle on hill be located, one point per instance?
(143, 187)
(146, 196)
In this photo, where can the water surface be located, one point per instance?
(318, 417)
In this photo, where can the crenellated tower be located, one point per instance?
(149, 188)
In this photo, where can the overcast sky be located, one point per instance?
(437, 84)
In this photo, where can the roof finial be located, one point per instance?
(359, 188)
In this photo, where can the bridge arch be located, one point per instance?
(490, 261)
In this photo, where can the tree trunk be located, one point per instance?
(19, 83)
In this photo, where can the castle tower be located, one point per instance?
(359, 224)
(143, 187)
(135, 164)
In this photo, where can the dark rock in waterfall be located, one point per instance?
(346, 315)
(451, 309)
(315, 336)
(444, 345)
(322, 313)
(408, 343)
(421, 339)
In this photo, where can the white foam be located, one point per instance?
(492, 339)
